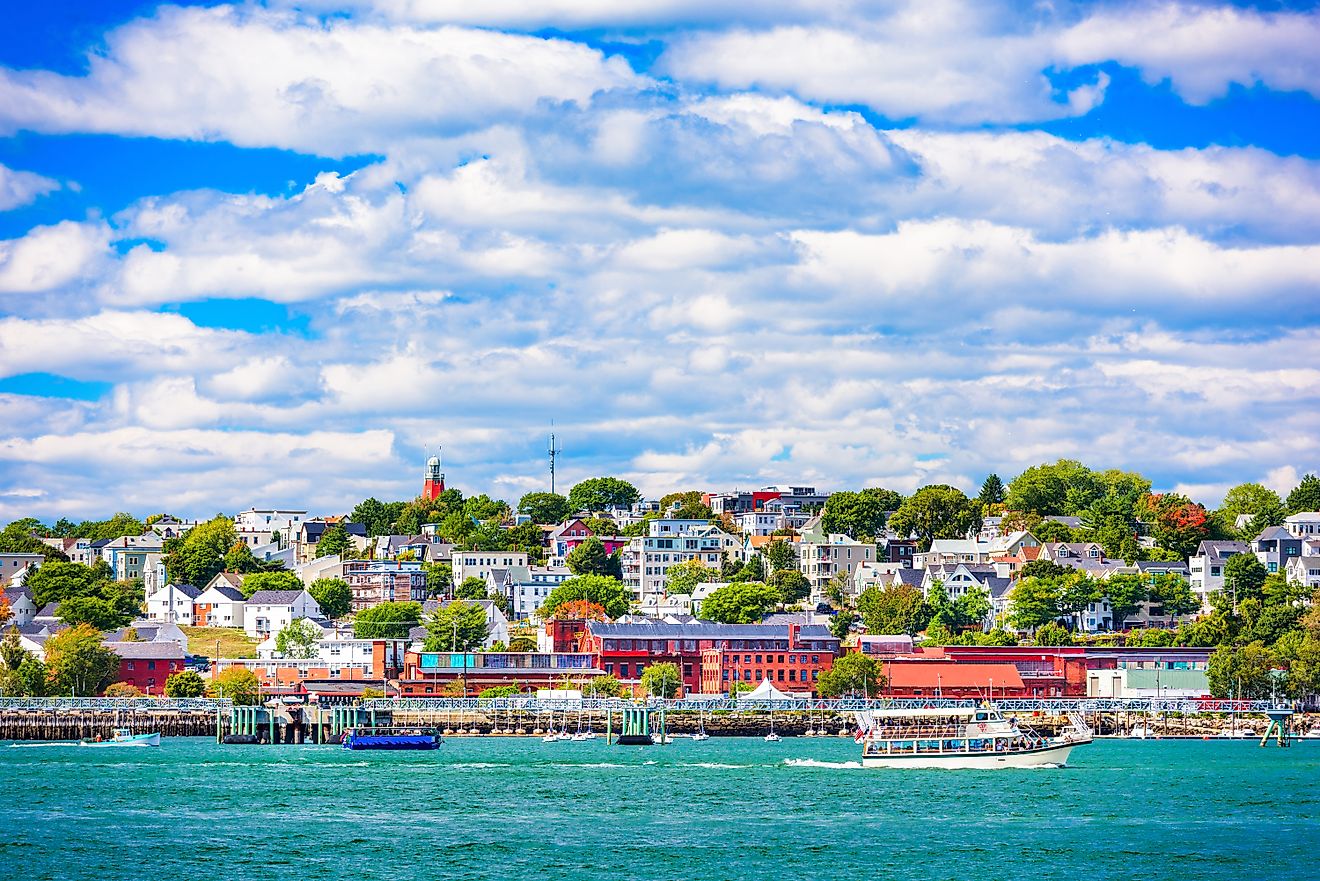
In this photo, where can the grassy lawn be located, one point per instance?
(234, 643)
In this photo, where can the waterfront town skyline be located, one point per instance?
(856, 244)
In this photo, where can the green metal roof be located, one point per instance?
(1180, 679)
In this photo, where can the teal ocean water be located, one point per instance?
(723, 809)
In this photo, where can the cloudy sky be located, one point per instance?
(274, 253)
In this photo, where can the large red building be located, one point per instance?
(627, 649)
(910, 677)
(1045, 671)
(794, 668)
(147, 664)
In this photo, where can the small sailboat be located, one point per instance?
(122, 737)
(701, 727)
(1142, 731)
(772, 737)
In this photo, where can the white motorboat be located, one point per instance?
(1142, 731)
(123, 737)
(701, 735)
(773, 738)
(1312, 733)
(961, 737)
(1235, 731)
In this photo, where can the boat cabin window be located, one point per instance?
(982, 716)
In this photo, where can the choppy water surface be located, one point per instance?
(722, 809)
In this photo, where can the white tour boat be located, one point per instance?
(123, 737)
(961, 737)
(1236, 731)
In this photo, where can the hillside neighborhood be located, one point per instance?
(1062, 582)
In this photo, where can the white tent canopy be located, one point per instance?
(765, 692)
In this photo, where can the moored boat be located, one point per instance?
(971, 737)
(123, 737)
(390, 739)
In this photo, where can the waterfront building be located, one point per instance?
(147, 664)
(646, 559)
(22, 609)
(908, 678)
(480, 564)
(269, 611)
(14, 567)
(1044, 671)
(1303, 524)
(820, 559)
(1275, 546)
(793, 665)
(268, 520)
(435, 673)
(1206, 567)
(384, 581)
(173, 603)
(222, 603)
(627, 649)
(1168, 672)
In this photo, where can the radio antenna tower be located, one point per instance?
(554, 451)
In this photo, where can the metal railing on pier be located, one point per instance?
(129, 704)
(1058, 706)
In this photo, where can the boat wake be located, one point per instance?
(816, 763)
(44, 743)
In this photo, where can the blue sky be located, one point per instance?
(273, 253)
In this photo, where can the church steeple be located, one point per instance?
(435, 478)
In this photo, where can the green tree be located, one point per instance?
(662, 680)
(333, 595)
(239, 559)
(1053, 531)
(238, 684)
(792, 585)
(1034, 602)
(780, 555)
(93, 611)
(859, 514)
(590, 558)
(973, 607)
(893, 610)
(992, 491)
(498, 691)
(601, 494)
(78, 663)
(334, 542)
(122, 689)
(17, 538)
(608, 593)
(185, 683)
(280, 580)
(1241, 672)
(1252, 499)
(439, 578)
(936, 512)
(1053, 634)
(740, 603)
(602, 686)
(545, 507)
(457, 627)
(842, 624)
(1244, 577)
(298, 640)
(56, 582)
(1065, 487)
(1305, 496)
(683, 578)
(1174, 594)
(378, 517)
(472, 588)
(199, 555)
(391, 620)
(1126, 593)
(852, 674)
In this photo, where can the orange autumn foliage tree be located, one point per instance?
(584, 610)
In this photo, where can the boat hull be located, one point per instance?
(1050, 756)
(391, 742)
(135, 740)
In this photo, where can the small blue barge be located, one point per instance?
(361, 739)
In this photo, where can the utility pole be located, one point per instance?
(554, 452)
